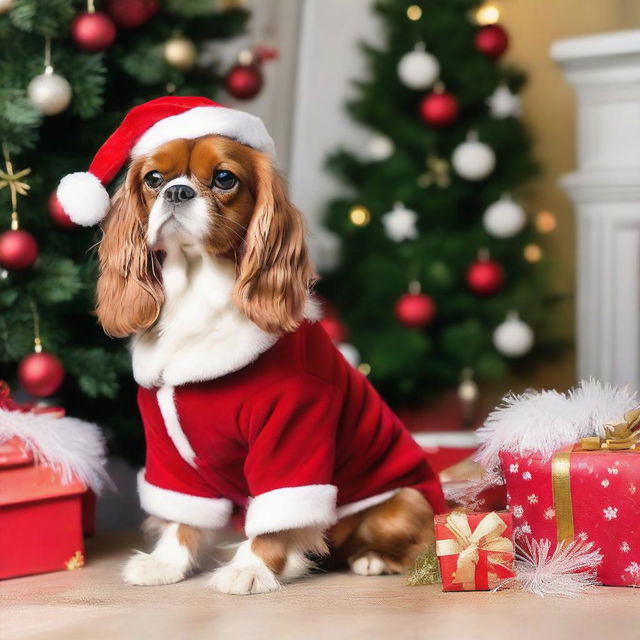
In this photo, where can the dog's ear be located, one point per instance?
(275, 273)
(129, 293)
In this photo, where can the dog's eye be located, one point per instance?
(154, 179)
(224, 180)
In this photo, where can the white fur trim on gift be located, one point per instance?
(74, 448)
(201, 121)
(83, 198)
(312, 505)
(207, 513)
(544, 421)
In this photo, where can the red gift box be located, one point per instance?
(592, 496)
(41, 517)
(475, 550)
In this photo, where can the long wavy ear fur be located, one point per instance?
(275, 273)
(129, 294)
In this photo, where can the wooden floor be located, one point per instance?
(93, 603)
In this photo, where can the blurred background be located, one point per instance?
(426, 142)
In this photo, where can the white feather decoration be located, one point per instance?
(466, 493)
(569, 571)
(73, 447)
(544, 421)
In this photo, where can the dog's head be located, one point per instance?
(222, 195)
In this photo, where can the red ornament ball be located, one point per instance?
(485, 277)
(415, 310)
(439, 109)
(492, 41)
(244, 81)
(41, 374)
(58, 214)
(130, 14)
(334, 328)
(18, 250)
(93, 32)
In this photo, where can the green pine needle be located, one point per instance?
(426, 569)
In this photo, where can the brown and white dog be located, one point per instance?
(203, 262)
(232, 210)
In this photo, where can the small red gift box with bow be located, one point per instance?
(475, 550)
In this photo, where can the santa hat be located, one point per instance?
(83, 195)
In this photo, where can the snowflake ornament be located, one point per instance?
(605, 483)
(513, 468)
(583, 536)
(625, 547)
(633, 570)
(550, 513)
(533, 498)
(613, 470)
(525, 528)
(400, 223)
(518, 511)
(504, 104)
(526, 475)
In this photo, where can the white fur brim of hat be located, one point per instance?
(85, 199)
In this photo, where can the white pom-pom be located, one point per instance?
(83, 198)
(569, 571)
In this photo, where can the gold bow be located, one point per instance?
(621, 435)
(467, 545)
(437, 173)
(15, 182)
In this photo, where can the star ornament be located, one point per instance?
(504, 104)
(400, 223)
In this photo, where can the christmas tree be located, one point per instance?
(442, 276)
(70, 74)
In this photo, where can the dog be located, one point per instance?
(245, 400)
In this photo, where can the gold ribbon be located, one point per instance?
(619, 436)
(467, 544)
(17, 186)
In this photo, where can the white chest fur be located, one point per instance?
(200, 334)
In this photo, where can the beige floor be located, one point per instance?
(93, 603)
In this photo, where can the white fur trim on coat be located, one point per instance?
(365, 503)
(196, 511)
(201, 121)
(83, 198)
(313, 505)
(167, 404)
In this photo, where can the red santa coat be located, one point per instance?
(298, 436)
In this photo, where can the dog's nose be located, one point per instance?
(179, 193)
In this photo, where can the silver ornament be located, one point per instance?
(6, 6)
(49, 93)
(473, 160)
(400, 223)
(513, 338)
(380, 148)
(504, 218)
(504, 104)
(418, 69)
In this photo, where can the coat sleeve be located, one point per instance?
(290, 463)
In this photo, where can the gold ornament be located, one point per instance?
(487, 14)
(617, 435)
(437, 173)
(414, 12)
(546, 222)
(6, 6)
(364, 368)
(180, 53)
(532, 253)
(15, 183)
(359, 215)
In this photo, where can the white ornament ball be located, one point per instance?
(49, 93)
(380, 148)
(400, 223)
(350, 353)
(180, 53)
(513, 338)
(504, 104)
(6, 6)
(473, 160)
(418, 69)
(504, 218)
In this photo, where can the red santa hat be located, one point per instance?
(146, 127)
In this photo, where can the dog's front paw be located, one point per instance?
(244, 580)
(144, 569)
(370, 564)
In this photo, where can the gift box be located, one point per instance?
(475, 550)
(49, 465)
(578, 494)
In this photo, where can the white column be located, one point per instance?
(605, 188)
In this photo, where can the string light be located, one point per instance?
(532, 253)
(359, 215)
(364, 368)
(546, 222)
(414, 12)
(487, 14)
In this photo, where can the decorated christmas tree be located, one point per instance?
(69, 73)
(442, 277)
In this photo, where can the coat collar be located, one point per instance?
(200, 335)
